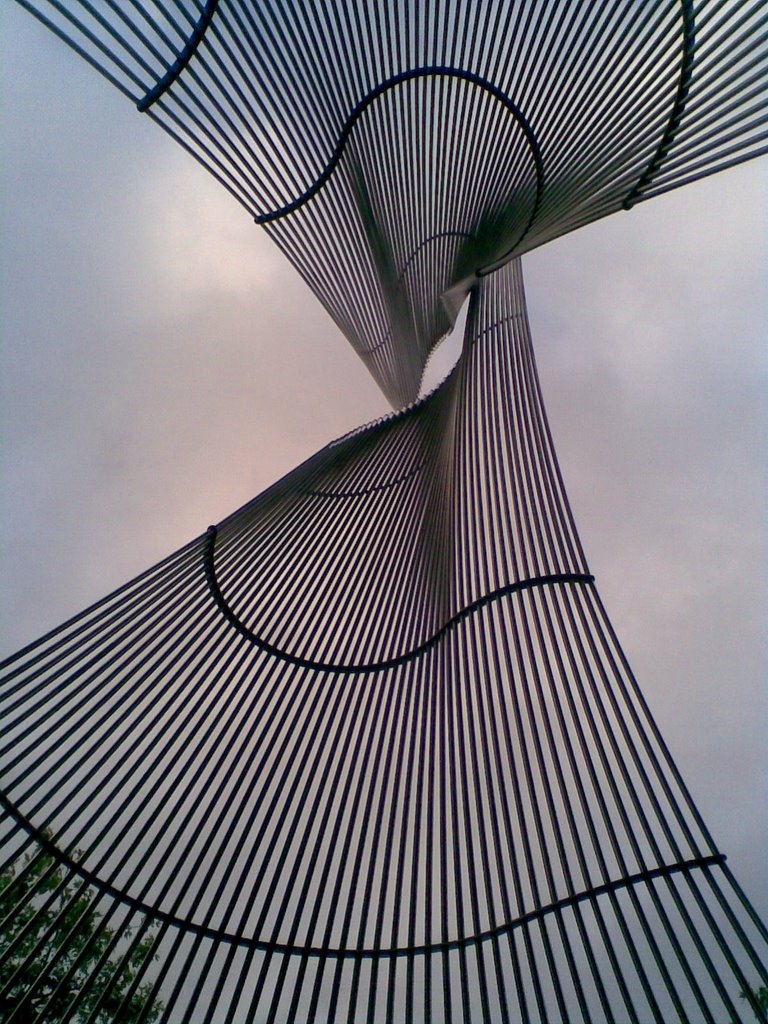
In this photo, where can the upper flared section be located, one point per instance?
(396, 150)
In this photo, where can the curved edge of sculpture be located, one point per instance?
(428, 71)
(186, 55)
(531, 583)
(351, 953)
(678, 108)
(364, 491)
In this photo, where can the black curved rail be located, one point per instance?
(386, 663)
(411, 74)
(422, 245)
(350, 953)
(678, 108)
(190, 48)
(365, 491)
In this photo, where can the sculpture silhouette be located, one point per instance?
(369, 748)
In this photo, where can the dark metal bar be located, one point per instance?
(182, 60)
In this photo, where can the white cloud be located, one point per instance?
(200, 240)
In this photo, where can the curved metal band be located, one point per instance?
(350, 953)
(435, 70)
(678, 107)
(387, 663)
(364, 491)
(422, 245)
(402, 274)
(182, 60)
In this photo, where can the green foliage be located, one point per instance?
(759, 996)
(51, 921)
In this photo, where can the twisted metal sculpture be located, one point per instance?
(369, 748)
(396, 151)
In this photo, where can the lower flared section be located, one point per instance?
(368, 750)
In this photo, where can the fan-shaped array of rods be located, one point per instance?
(397, 150)
(369, 750)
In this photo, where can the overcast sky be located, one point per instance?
(162, 363)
